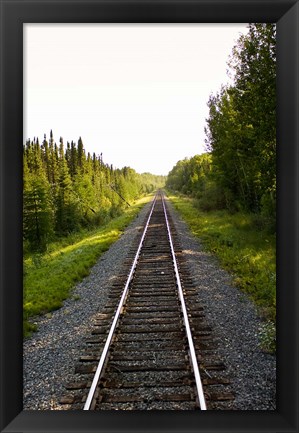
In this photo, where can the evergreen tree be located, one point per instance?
(65, 201)
(37, 207)
(80, 156)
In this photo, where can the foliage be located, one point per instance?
(66, 190)
(241, 128)
(190, 175)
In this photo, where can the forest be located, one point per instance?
(66, 190)
(238, 170)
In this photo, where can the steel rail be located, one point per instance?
(116, 317)
(195, 367)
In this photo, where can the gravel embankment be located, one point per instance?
(50, 354)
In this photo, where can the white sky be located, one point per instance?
(136, 93)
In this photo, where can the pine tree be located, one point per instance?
(80, 156)
(37, 207)
(65, 201)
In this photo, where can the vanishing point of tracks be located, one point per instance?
(152, 348)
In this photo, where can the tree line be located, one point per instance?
(238, 171)
(65, 190)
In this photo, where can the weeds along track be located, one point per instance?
(152, 347)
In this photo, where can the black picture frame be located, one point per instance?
(16, 12)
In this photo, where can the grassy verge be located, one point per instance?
(248, 253)
(49, 278)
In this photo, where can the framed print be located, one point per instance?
(15, 15)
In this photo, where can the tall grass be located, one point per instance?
(49, 278)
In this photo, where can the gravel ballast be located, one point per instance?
(50, 354)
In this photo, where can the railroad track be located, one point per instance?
(152, 347)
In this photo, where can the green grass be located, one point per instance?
(248, 253)
(49, 278)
